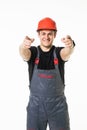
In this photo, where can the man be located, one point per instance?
(47, 102)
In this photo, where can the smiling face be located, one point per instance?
(46, 38)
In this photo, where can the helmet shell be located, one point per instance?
(47, 23)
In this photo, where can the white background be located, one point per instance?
(20, 18)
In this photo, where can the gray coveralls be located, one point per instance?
(47, 103)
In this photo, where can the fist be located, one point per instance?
(67, 41)
(27, 42)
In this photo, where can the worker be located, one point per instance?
(47, 100)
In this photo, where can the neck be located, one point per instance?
(45, 49)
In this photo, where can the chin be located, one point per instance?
(48, 46)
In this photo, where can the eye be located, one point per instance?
(43, 33)
(50, 34)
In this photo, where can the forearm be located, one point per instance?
(25, 53)
(67, 51)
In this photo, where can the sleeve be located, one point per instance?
(33, 50)
(58, 49)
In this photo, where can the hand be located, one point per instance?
(68, 42)
(27, 42)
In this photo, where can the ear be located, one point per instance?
(55, 33)
(38, 33)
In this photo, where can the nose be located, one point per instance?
(47, 36)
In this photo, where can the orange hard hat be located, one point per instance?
(47, 23)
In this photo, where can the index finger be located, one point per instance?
(68, 37)
(27, 38)
(30, 39)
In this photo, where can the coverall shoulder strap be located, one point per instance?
(54, 53)
(38, 52)
(56, 61)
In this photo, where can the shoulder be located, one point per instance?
(33, 49)
(58, 49)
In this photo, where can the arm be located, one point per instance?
(68, 49)
(24, 48)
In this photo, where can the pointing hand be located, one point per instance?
(67, 41)
(27, 42)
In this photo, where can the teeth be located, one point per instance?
(45, 40)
